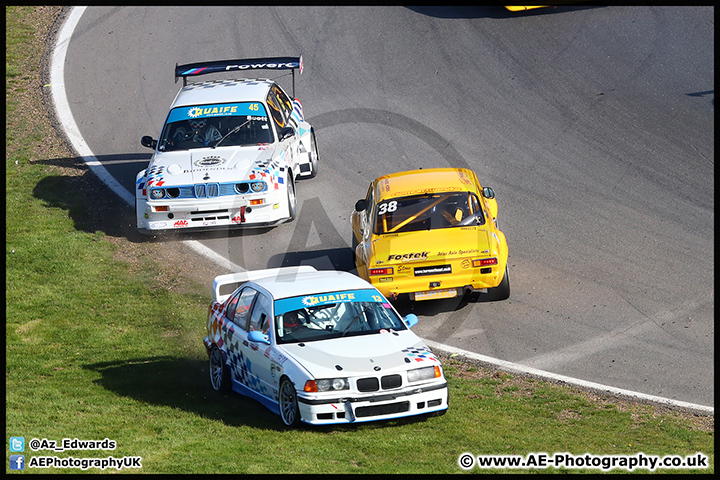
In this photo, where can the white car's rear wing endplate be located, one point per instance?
(237, 279)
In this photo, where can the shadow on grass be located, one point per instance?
(89, 202)
(184, 384)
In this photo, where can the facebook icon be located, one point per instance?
(17, 462)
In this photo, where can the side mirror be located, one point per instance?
(285, 133)
(360, 205)
(411, 320)
(488, 192)
(256, 336)
(148, 141)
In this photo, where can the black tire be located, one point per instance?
(502, 291)
(313, 155)
(219, 375)
(287, 401)
(292, 200)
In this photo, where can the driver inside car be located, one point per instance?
(199, 131)
(291, 321)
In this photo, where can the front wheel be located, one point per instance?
(219, 375)
(288, 403)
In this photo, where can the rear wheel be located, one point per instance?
(288, 403)
(502, 291)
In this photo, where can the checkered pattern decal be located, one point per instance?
(270, 171)
(240, 366)
(154, 178)
(419, 354)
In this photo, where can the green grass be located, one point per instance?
(99, 346)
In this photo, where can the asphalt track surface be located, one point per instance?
(594, 126)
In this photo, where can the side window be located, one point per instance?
(476, 208)
(231, 306)
(243, 307)
(276, 112)
(285, 103)
(260, 319)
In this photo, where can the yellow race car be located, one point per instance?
(431, 234)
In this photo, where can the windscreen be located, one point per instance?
(333, 315)
(226, 124)
(427, 211)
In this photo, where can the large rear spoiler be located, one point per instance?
(236, 279)
(271, 63)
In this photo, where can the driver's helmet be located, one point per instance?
(198, 123)
(290, 321)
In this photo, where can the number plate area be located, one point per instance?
(435, 294)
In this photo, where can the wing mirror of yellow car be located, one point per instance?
(360, 205)
(488, 192)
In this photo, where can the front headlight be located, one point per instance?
(257, 186)
(327, 384)
(426, 373)
(157, 193)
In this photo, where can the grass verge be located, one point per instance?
(103, 340)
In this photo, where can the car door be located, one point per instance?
(258, 354)
(237, 345)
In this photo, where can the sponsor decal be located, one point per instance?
(180, 224)
(212, 161)
(294, 303)
(458, 252)
(435, 270)
(420, 191)
(409, 256)
(311, 300)
(195, 112)
(253, 110)
(264, 65)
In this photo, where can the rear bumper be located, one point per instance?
(465, 280)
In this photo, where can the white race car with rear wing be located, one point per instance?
(229, 153)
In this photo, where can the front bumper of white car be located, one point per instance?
(160, 216)
(414, 400)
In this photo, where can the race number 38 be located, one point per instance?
(388, 207)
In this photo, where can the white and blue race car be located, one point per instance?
(228, 154)
(320, 347)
